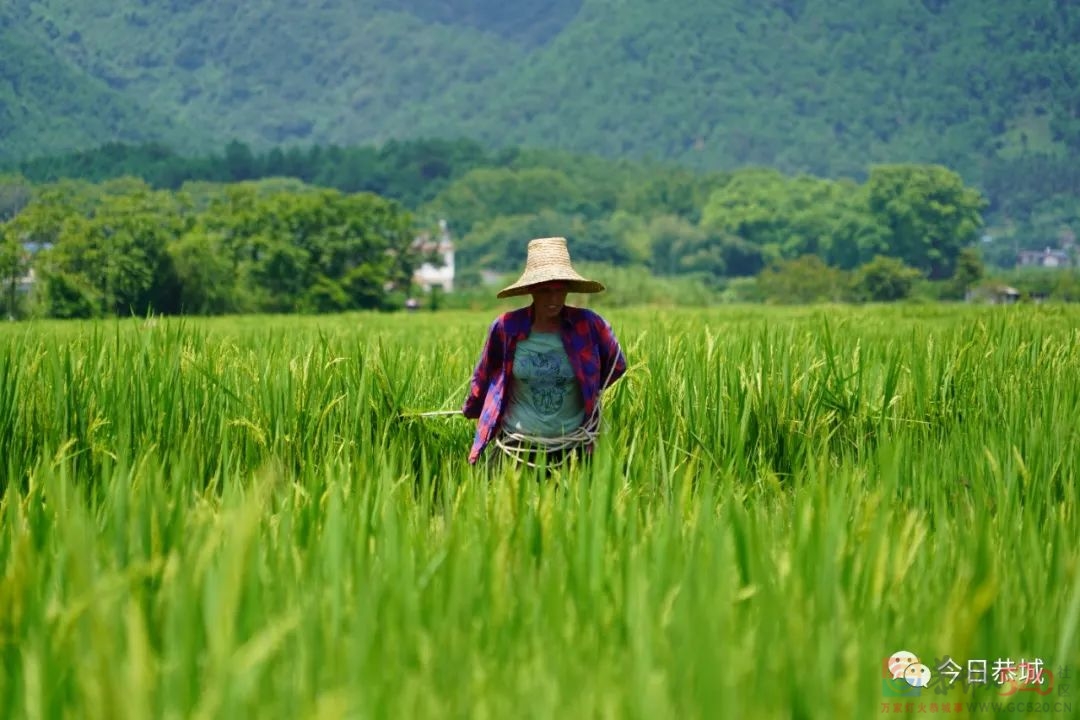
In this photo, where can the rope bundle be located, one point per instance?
(519, 445)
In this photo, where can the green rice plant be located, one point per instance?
(250, 516)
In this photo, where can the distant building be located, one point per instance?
(1049, 258)
(430, 275)
(993, 294)
(26, 282)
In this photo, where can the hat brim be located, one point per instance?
(526, 286)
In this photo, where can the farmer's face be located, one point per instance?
(548, 300)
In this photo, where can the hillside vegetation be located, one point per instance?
(47, 103)
(803, 85)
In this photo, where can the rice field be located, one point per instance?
(245, 517)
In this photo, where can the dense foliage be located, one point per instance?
(805, 86)
(277, 244)
(122, 248)
(809, 85)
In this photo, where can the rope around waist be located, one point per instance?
(517, 443)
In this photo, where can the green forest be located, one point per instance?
(139, 229)
(710, 145)
(817, 86)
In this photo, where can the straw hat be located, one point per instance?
(549, 259)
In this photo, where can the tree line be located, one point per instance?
(1030, 199)
(292, 231)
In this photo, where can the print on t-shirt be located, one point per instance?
(547, 385)
(545, 399)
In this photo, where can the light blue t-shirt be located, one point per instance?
(545, 399)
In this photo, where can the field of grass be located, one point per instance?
(238, 518)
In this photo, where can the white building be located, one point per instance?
(26, 282)
(430, 275)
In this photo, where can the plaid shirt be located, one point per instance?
(590, 344)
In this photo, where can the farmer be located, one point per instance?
(537, 385)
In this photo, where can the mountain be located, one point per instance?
(48, 104)
(820, 86)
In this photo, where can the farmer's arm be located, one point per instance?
(490, 358)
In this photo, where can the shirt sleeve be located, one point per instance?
(612, 359)
(490, 358)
